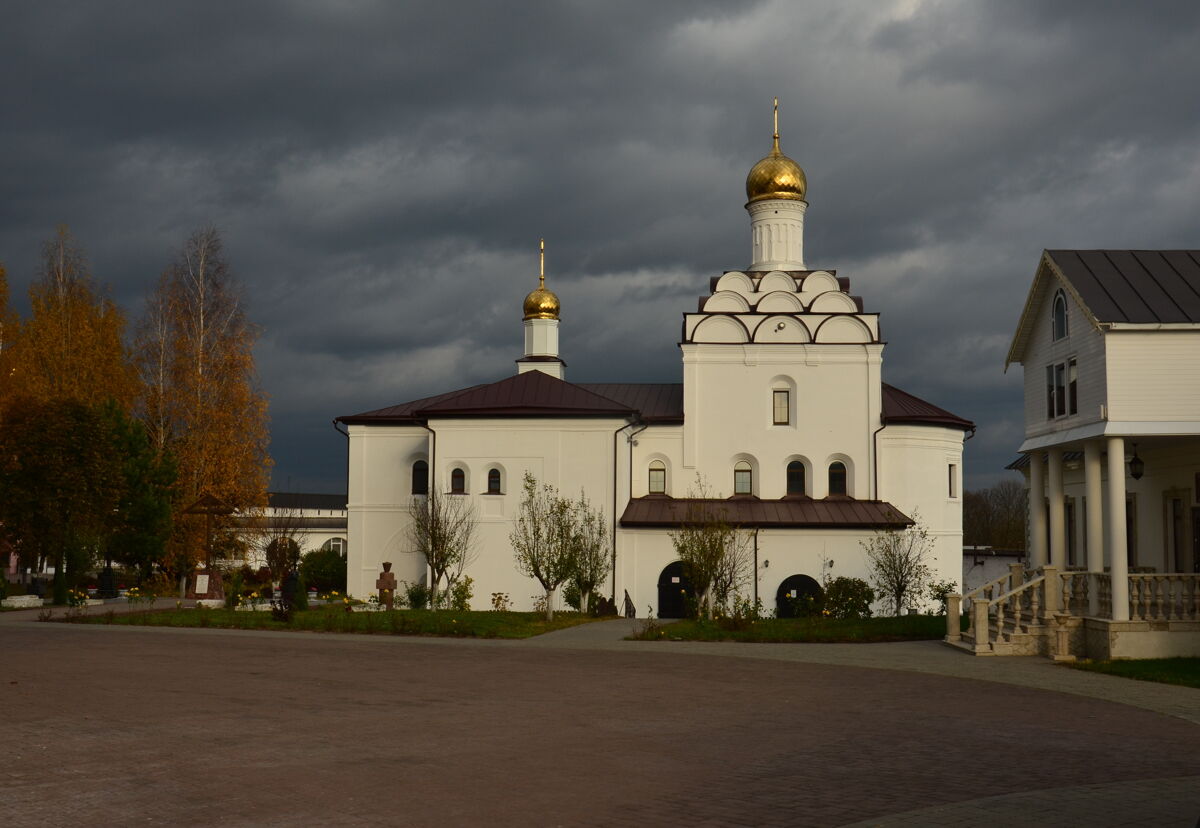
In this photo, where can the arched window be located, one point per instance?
(837, 478)
(743, 478)
(337, 545)
(1059, 323)
(658, 477)
(795, 478)
(458, 482)
(494, 481)
(420, 478)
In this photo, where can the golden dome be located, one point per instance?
(541, 303)
(776, 176)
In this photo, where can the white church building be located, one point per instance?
(782, 412)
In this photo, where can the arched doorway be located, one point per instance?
(795, 595)
(673, 591)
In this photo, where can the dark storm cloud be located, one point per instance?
(381, 173)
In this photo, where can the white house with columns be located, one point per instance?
(782, 412)
(1110, 345)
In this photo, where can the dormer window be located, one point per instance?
(1059, 317)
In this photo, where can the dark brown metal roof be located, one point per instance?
(1140, 286)
(305, 500)
(1022, 461)
(788, 513)
(902, 408)
(532, 394)
(657, 402)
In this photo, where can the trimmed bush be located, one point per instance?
(848, 598)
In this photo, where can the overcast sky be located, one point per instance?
(381, 173)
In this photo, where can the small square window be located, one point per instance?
(782, 408)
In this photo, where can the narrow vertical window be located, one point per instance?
(1072, 387)
(782, 406)
(458, 482)
(494, 481)
(795, 478)
(420, 478)
(837, 478)
(953, 475)
(658, 477)
(1060, 390)
(1059, 324)
(743, 479)
(1049, 392)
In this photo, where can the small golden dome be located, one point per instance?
(776, 176)
(541, 303)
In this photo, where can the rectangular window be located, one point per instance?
(1072, 387)
(741, 482)
(658, 481)
(1060, 392)
(953, 480)
(1049, 392)
(782, 408)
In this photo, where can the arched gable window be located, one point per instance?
(494, 481)
(795, 478)
(837, 478)
(743, 478)
(1059, 321)
(458, 482)
(420, 478)
(658, 477)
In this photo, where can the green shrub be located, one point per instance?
(938, 590)
(300, 599)
(848, 598)
(324, 569)
(571, 596)
(461, 594)
(417, 595)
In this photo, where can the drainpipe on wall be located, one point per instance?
(614, 499)
(431, 489)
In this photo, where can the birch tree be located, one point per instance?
(71, 347)
(542, 538)
(199, 394)
(590, 563)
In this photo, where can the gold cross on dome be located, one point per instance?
(542, 264)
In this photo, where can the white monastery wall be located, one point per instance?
(835, 405)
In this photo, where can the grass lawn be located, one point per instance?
(1185, 671)
(336, 619)
(813, 630)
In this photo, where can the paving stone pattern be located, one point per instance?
(119, 725)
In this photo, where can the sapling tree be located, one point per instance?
(443, 532)
(715, 554)
(543, 538)
(899, 561)
(589, 553)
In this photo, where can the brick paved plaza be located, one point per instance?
(127, 726)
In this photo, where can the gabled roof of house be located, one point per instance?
(788, 513)
(1117, 286)
(535, 394)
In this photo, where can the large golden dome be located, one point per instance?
(541, 303)
(776, 176)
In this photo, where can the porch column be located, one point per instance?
(1093, 489)
(1058, 520)
(1118, 561)
(1037, 511)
